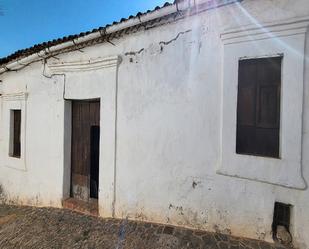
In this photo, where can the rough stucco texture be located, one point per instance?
(168, 129)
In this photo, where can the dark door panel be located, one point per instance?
(85, 144)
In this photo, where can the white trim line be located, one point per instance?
(15, 96)
(265, 31)
(86, 65)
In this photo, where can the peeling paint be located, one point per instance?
(177, 209)
(134, 52)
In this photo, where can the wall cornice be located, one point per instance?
(265, 30)
(15, 96)
(83, 65)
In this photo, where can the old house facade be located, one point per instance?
(194, 114)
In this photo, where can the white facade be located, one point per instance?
(168, 122)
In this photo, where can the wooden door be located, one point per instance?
(85, 149)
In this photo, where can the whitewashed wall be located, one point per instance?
(163, 115)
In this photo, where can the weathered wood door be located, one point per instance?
(85, 149)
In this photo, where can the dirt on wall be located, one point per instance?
(2, 195)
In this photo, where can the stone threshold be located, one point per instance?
(85, 207)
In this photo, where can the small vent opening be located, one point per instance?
(281, 223)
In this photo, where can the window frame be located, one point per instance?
(285, 39)
(13, 101)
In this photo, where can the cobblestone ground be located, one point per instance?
(26, 227)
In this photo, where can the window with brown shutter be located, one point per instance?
(258, 107)
(16, 133)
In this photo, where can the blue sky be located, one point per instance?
(28, 22)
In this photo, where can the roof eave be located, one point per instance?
(182, 5)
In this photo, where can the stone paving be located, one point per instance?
(28, 227)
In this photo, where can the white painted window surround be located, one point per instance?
(287, 39)
(13, 101)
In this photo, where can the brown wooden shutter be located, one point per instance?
(258, 107)
(16, 135)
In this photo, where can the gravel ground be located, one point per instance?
(38, 228)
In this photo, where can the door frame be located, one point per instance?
(104, 85)
(67, 149)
